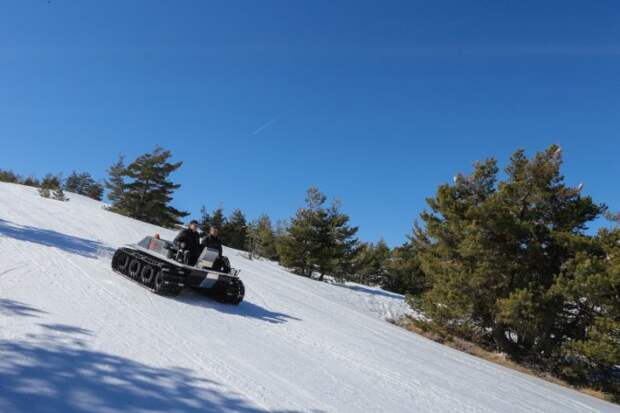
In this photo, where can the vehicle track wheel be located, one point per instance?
(120, 261)
(158, 282)
(134, 268)
(233, 294)
(147, 275)
(240, 293)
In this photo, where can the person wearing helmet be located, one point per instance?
(189, 240)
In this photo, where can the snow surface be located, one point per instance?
(76, 337)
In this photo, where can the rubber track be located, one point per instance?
(170, 289)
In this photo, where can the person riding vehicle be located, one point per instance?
(189, 240)
(212, 241)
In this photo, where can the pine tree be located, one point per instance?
(95, 191)
(262, 238)
(59, 195)
(51, 181)
(492, 252)
(319, 239)
(9, 176)
(31, 181)
(205, 220)
(115, 184)
(83, 184)
(337, 245)
(295, 246)
(73, 183)
(215, 219)
(45, 192)
(49, 185)
(143, 191)
(370, 263)
(218, 220)
(403, 273)
(235, 231)
(589, 289)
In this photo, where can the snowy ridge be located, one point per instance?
(76, 337)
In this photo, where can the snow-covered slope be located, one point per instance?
(74, 336)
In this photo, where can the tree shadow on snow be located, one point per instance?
(371, 291)
(15, 308)
(56, 373)
(244, 309)
(50, 238)
(64, 328)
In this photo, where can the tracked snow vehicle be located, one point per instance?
(162, 268)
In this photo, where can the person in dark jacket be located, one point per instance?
(189, 240)
(212, 240)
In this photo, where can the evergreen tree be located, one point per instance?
(404, 274)
(218, 220)
(589, 290)
(45, 192)
(49, 186)
(370, 263)
(215, 219)
(59, 195)
(319, 239)
(74, 183)
(205, 220)
(9, 176)
(262, 238)
(295, 246)
(143, 191)
(31, 181)
(51, 181)
(492, 253)
(83, 184)
(235, 230)
(115, 184)
(95, 191)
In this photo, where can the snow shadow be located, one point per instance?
(370, 291)
(60, 374)
(15, 308)
(64, 328)
(244, 309)
(249, 309)
(50, 238)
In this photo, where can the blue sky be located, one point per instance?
(376, 103)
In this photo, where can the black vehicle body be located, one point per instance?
(162, 268)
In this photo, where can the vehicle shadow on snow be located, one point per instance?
(244, 309)
(50, 238)
(57, 372)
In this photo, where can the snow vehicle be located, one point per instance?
(163, 268)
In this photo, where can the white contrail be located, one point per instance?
(265, 126)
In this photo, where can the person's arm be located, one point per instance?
(179, 241)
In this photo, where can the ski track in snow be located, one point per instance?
(76, 337)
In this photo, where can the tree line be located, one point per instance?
(53, 185)
(501, 260)
(317, 241)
